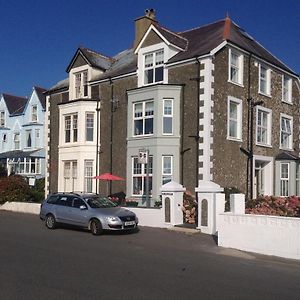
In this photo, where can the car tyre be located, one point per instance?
(50, 222)
(96, 227)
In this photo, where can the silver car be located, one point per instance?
(87, 211)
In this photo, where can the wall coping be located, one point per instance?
(205, 186)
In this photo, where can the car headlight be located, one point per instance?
(113, 219)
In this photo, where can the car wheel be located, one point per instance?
(50, 221)
(96, 227)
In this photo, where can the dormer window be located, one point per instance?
(153, 67)
(81, 87)
(2, 119)
(34, 117)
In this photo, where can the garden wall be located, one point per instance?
(270, 235)
(152, 217)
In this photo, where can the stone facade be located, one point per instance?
(205, 151)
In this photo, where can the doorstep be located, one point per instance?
(186, 228)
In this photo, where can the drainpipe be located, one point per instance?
(97, 143)
(111, 128)
(198, 107)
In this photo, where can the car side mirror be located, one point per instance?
(82, 207)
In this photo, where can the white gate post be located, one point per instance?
(172, 202)
(211, 202)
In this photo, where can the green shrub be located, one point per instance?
(14, 188)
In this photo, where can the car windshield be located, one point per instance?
(97, 202)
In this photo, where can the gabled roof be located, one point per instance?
(286, 156)
(40, 93)
(92, 58)
(15, 104)
(204, 39)
(194, 43)
(172, 37)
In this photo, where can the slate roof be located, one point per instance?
(40, 153)
(286, 156)
(195, 42)
(93, 58)
(42, 97)
(15, 104)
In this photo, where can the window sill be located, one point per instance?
(285, 149)
(229, 138)
(287, 102)
(236, 83)
(264, 145)
(266, 95)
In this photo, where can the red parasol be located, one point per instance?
(108, 177)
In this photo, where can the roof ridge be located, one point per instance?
(172, 32)
(11, 95)
(96, 52)
(202, 26)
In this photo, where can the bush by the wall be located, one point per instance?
(14, 188)
(270, 205)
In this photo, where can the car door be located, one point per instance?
(79, 212)
(64, 204)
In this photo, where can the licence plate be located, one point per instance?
(129, 223)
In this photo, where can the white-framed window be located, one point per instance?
(2, 118)
(264, 80)
(143, 113)
(167, 168)
(168, 116)
(154, 67)
(234, 119)
(88, 176)
(81, 84)
(28, 138)
(71, 128)
(34, 115)
(286, 132)
(298, 179)
(284, 179)
(263, 126)
(139, 175)
(17, 141)
(236, 67)
(37, 138)
(89, 127)
(29, 166)
(286, 89)
(70, 175)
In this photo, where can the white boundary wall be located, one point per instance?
(269, 235)
(152, 217)
(24, 207)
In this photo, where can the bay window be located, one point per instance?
(89, 127)
(71, 128)
(284, 179)
(143, 118)
(168, 116)
(139, 175)
(167, 167)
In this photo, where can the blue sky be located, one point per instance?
(39, 38)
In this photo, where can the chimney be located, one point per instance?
(142, 24)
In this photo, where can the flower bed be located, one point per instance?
(278, 206)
